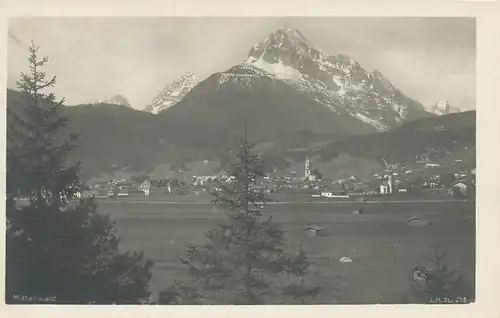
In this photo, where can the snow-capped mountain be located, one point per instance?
(337, 82)
(173, 93)
(115, 100)
(119, 100)
(442, 107)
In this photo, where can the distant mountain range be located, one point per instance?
(289, 94)
(287, 63)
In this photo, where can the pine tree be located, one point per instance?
(440, 281)
(244, 259)
(297, 267)
(58, 248)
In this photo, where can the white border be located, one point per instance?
(488, 146)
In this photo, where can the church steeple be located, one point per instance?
(308, 168)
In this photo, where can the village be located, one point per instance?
(396, 180)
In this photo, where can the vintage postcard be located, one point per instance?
(282, 161)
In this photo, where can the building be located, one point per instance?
(387, 185)
(333, 195)
(122, 192)
(432, 165)
(384, 189)
(146, 187)
(308, 175)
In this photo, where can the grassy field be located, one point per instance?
(383, 247)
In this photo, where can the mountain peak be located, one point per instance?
(443, 103)
(286, 45)
(289, 47)
(291, 33)
(116, 99)
(337, 82)
(173, 92)
(443, 107)
(119, 100)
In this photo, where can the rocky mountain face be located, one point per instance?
(443, 107)
(336, 81)
(173, 93)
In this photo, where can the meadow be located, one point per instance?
(383, 247)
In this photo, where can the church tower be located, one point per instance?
(308, 168)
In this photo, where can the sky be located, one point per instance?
(428, 59)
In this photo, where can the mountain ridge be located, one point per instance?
(335, 80)
(108, 139)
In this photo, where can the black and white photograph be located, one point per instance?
(240, 160)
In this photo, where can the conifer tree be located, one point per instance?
(244, 260)
(440, 282)
(58, 248)
(297, 267)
